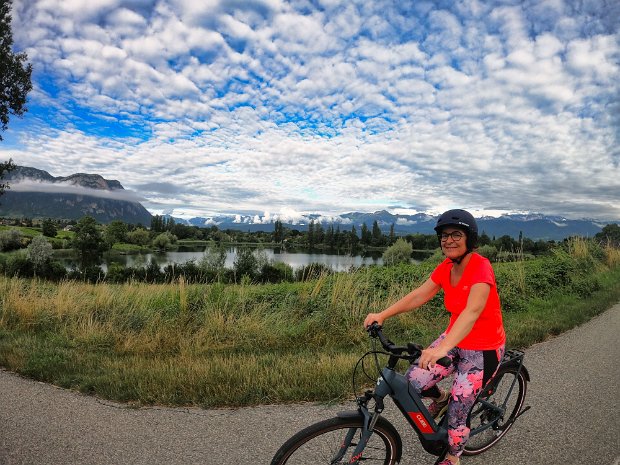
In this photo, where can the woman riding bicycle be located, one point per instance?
(474, 339)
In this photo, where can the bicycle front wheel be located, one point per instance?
(488, 424)
(325, 441)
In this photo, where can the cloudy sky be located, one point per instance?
(328, 106)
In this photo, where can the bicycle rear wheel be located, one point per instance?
(487, 424)
(319, 443)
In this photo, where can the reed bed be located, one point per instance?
(231, 345)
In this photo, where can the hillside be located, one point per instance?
(35, 193)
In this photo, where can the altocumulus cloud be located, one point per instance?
(328, 106)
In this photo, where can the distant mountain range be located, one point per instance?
(533, 226)
(35, 193)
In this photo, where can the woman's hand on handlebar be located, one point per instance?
(373, 317)
(429, 357)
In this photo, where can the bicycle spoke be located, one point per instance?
(492, 416)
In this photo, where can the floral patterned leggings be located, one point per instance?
(473, 369)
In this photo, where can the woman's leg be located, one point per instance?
(474, 369)
(424, 381)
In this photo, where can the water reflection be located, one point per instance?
(294, 258)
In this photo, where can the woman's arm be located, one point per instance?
(462, 326)
(414, 299)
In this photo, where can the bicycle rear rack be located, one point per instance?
(513, 355)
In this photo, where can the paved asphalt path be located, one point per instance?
(575, 418)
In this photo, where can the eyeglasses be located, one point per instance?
(455, 235)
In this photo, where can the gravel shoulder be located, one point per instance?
(575, 418)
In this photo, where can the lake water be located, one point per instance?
(295, 259)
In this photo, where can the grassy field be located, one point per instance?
(233, 345)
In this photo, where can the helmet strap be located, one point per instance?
(458, 260)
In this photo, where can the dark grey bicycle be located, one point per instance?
(365, 436)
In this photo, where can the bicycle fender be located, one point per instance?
(350, 414)
(515, 363)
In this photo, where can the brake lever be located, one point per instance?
(443, 361)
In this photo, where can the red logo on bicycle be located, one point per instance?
(355, 458)
(421, 422)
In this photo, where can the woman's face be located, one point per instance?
(453, 242)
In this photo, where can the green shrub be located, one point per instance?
(276, 273)
(489, 252)
(399, 252)
(19, 265)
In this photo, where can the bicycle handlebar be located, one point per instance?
(414, 350)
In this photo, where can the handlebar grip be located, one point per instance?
(444, 362)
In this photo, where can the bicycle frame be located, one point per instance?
(432, 435)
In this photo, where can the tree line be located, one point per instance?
(89, 240)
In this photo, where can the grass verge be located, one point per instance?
(233, 345)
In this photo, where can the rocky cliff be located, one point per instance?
(35, 193)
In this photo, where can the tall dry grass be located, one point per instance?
(216, 345)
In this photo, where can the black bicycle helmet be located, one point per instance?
(463, 220)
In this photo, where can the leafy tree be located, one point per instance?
(423, 241)
(169, 224)
(10, 240)
(400, 252)
(276, 273)
(610, 233)
(278, 232)
(353, 239)
(164, 240)
(330, 239)
(339, 238)
(484, 239)
(157, 223)
(311, 235)
(540, 247)
(377, 236)
(39, 252)
(15, 73)
(505, 243)
(88, 242)
(48, 228)
(139, 236)
(262, 259)
(213, 260)
(116, 273)
(184, 231)
(245, 264)
(18, 265)
(5, 168)
(366, 235)
(115, 232)
(319, 233)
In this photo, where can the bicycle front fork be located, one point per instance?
(370, 420)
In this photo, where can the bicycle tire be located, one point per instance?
(481, 415)
(317, 444)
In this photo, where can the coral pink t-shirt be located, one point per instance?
(488, 330)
